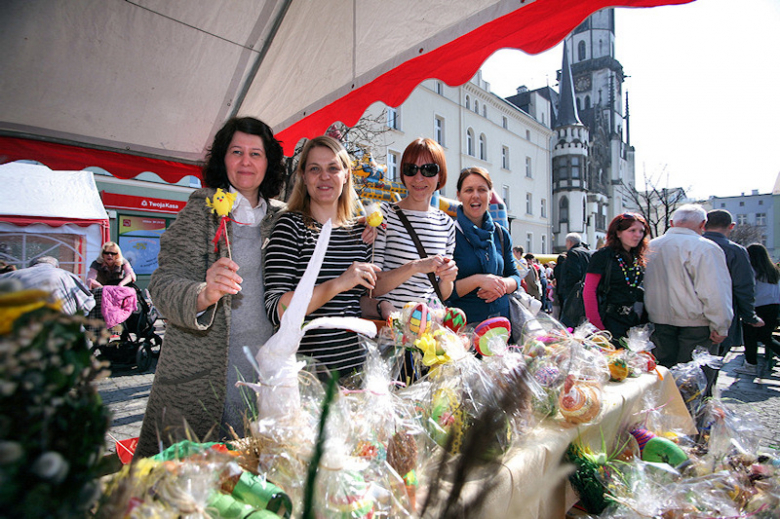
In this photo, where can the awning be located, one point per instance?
(155, 79)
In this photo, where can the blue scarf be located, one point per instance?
(481, 239)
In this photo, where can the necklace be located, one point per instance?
(627, 271)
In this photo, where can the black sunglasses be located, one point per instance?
(427, 170)
(107, 253)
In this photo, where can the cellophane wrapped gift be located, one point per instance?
(547, 351)
(387, 435)
(691, 380)
(459, 388)
(581, 396)
(282, 446)
(639, 349)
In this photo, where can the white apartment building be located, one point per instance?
(479, 128)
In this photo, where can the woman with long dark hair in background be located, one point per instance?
(613, 292)
(767, 308)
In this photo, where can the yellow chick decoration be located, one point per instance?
(375, 217)
(222, 202)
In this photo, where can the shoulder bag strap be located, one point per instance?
(420, 249)
(500, 237)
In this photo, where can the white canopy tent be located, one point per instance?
(143, 85)
(53, 213)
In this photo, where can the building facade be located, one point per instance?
(755, 217)
(478, 128)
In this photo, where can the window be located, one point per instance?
(581, 51)
(760, 218)
(722, 204)
(438, 130)
(528, 135)
(440, 88)
(741, 219)
(476, 106)
(504, 157)
(468, 103)
(392, 166)
(587, 102)
(544, 244)
(392, 117)
(543, 208)
(529, 242)
(560, 169)
(760, 202)
(742, 204)
(482, 147)
(470, 142)
(484, 110)
(575, 167)
(504, 123)
(529, 203)
(505, 195)
(563, 209)
(528, 172)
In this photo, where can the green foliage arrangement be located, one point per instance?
(52, 420)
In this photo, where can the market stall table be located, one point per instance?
(530, 483)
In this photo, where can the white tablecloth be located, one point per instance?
(532, 484)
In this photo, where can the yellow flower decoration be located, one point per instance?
(15, 304)
(432, 353)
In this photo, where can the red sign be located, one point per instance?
(141, 203)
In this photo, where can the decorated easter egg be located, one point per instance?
(651, 364)
(547, 375)
(446, 417)
(352, 497)
(492, 335)
(534, 348)
(454, 319)
(618, 368)
(663, 450)
(420, 320)
(580, 404)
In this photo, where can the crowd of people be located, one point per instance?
(696, 287)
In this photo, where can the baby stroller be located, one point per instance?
(137, 343)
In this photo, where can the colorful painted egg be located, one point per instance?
(548, 375)
(618, 368)
(420, 320)
(658, 449)
(492, 335)
(454, 319)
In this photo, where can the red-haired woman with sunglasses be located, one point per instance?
(613, 292)
(404, 275)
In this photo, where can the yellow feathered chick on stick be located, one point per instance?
(221, 204)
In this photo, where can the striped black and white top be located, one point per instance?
(395, 248)
(289, 250)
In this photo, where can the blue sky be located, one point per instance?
(704, 92)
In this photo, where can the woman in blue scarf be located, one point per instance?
(483, 252)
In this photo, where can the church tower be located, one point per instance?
(569, 164)
(598, 88)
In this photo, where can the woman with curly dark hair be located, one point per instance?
(613, 292)
(211, 310)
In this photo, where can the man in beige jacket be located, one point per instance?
(687, 289)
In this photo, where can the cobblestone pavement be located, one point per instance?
(126, 392)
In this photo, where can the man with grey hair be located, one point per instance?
(572, 270)
(687, 289)
(44, 274)
(743, 285)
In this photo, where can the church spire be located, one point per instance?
(567, 111)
